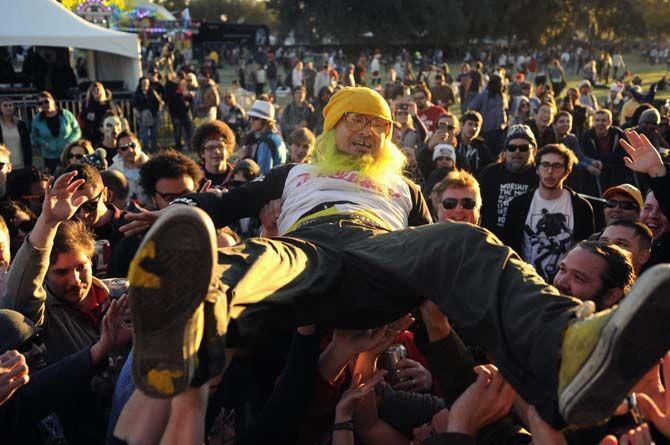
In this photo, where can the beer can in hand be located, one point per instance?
(388, 361)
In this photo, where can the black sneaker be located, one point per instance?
(605, 355)
(169, 279)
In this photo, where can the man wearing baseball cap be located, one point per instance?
(356, 251)
(624, 202)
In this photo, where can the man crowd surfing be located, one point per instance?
(341, 250)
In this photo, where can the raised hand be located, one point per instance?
(13, 374)
(636, 436)
(114, 333)
(485, 401)
(139, 222)
(653, 413)
(345, 407)
(642, 155)
(58, 205)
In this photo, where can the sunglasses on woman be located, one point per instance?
(127, 146)
(452, 203)
(75, 155)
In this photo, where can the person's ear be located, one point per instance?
(612, 297)
(644, 257)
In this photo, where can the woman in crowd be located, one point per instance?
(520, 112)
(20, 221)
(128, 160)
(75, 152)
(53, 128)
(147, 103)
(96, 106)
(413, 131)
(15, 135)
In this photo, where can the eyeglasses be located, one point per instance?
(452, 203)
(357, 122)
(623, 205)
(127, 146)
(169, 197)
(26, 226)
(219, 146)
(556, 166)
(92, 205)
(522, 148)
(419, 98)
(75, 155)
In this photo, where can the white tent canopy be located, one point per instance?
(48, 23)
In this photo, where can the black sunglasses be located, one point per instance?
(92, 205)
(75, 155)
(452, 203)
(522, 148)
(127, 146)
(623, 205)
(26, 226)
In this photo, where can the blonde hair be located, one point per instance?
(459, 179)
(89, 93)
(383, 169)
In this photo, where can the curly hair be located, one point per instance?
(168, 164)
(213, 130)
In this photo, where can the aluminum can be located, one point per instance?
(389, 359)
(116, 286)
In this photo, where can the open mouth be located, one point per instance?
(360, 145)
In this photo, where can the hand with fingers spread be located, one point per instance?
(140, 222)
(636, 436)
(413, 376)
(642, 155)
(357, 390)
(485, 401)
(114, 334)
(13, 374)
(58, 205)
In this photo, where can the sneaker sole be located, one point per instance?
(168, 282)
(631, 342)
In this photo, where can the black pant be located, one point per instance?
(348, 273)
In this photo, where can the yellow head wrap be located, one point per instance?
(354, 100)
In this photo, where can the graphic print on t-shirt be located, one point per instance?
(548, 233)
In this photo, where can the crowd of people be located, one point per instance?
(372, 213)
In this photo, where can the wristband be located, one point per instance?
(348, 425)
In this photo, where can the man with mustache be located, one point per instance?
(51, 280)
(348, 257)
(508, 178)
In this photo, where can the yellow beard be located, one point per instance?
(382, 169)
